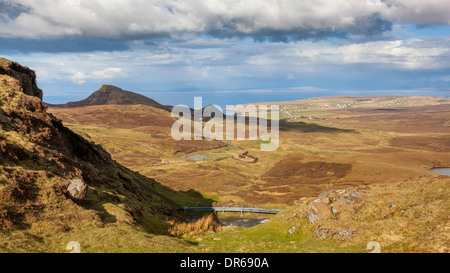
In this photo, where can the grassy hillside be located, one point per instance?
(39, 159)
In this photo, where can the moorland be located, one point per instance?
(107, 173)
(372, 144)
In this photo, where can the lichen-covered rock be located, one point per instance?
(77, 189)
(318, 209)
(331, 202)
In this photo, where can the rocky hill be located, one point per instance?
(53, 181)
(108, 94)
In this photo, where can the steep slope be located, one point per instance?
(108, 94)
(54, 182)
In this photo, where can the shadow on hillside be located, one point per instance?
(157, 219)
(310, 128)
(299, 126)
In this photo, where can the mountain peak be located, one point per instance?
(109, 88)
(110, 94)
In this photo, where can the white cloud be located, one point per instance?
(123, 19)
(81, 77)
(415, 54)
(107, 73)
(227, 62)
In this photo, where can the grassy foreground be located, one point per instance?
(410, 216)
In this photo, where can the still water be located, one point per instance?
(242, 222)
(444, 171)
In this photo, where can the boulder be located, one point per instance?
(77, 189)
(331, 202)
(318, 209)
(341, 205)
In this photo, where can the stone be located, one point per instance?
(4, 119)
(77, 189)
(299, 201)
(291, 230)
(325, 194)
(318, 210)
(331, 202)
(341, 205)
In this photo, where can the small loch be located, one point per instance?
(443, 171)
(241, 222)
(199, 157)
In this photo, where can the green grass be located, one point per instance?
(187, 198)
(110, 132)
(114, 238)
(271, 237)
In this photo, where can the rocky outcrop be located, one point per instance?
(331, 202)
(318, 210)
(77, 189)
(25, 76)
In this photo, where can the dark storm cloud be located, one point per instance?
(268, 20)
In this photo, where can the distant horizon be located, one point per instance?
(236, 97)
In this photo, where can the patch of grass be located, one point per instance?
(272, 237)
(5, 62)
(207, 223)
(113, 238)
(187, 198)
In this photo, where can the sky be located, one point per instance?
(231, 51)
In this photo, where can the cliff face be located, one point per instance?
(24, 75)
(40, 158)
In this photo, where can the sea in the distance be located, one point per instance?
(224, 98)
